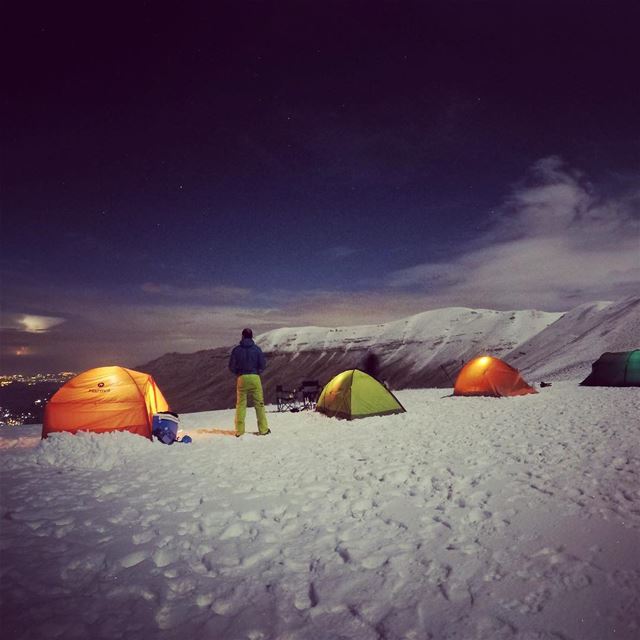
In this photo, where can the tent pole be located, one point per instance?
(448, 376)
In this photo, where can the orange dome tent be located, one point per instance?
(489, 376)
(105, 399)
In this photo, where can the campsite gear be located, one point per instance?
(615, 369)
(165, 427)
(299, 399)
(186, 439)
(105, 399)
(355, 394)
(285, 399)
(309, 392)
(249, 385)
(266, 433)
(446, 373)
(490, 376)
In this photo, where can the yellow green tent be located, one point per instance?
(355, 394)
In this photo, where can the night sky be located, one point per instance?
(173, 173)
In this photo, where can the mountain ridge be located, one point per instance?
(424, 350)
(569, 346)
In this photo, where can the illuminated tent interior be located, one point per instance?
(355, 394)
(105, 399)
(489, 376)
(620, 369)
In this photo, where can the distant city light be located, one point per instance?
(30, 412)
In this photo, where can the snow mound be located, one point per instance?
(91, 451)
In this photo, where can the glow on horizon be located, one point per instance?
(39, 324)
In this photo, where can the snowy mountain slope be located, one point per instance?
(569, 346)
(424, 350)
(438, 327)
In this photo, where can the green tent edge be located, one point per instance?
(592, 380)
(345, 416)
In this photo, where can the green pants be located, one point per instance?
(250, 385)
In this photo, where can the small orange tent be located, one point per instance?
(105, 399)
(489, 376)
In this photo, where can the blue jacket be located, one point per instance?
(247, 357)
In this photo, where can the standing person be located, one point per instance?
(247, 362)
(371, 365)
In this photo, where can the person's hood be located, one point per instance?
(246, 343)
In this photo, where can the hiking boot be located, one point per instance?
(266, 433)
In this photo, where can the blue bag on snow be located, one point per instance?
(164, 426)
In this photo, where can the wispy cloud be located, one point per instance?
(210, 294)
(554, 243)
(29, 323)
(339, 252)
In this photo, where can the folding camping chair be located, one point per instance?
(309, 393)
(286, 400)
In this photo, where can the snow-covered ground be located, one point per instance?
(464, 518)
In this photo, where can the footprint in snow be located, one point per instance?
(106, 490)
(375, 561)
(360, 507)
(163, 557)
(126, 516)
(250, 516)
(478, 515)
(132, 559)
(493, 628)
(234, 531)
(169, 617)
(182, 586)
(83, 569)
(189, 528)
(143, 537)
(258, 557)
(204, 599)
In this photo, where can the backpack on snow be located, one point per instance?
(165, 427)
